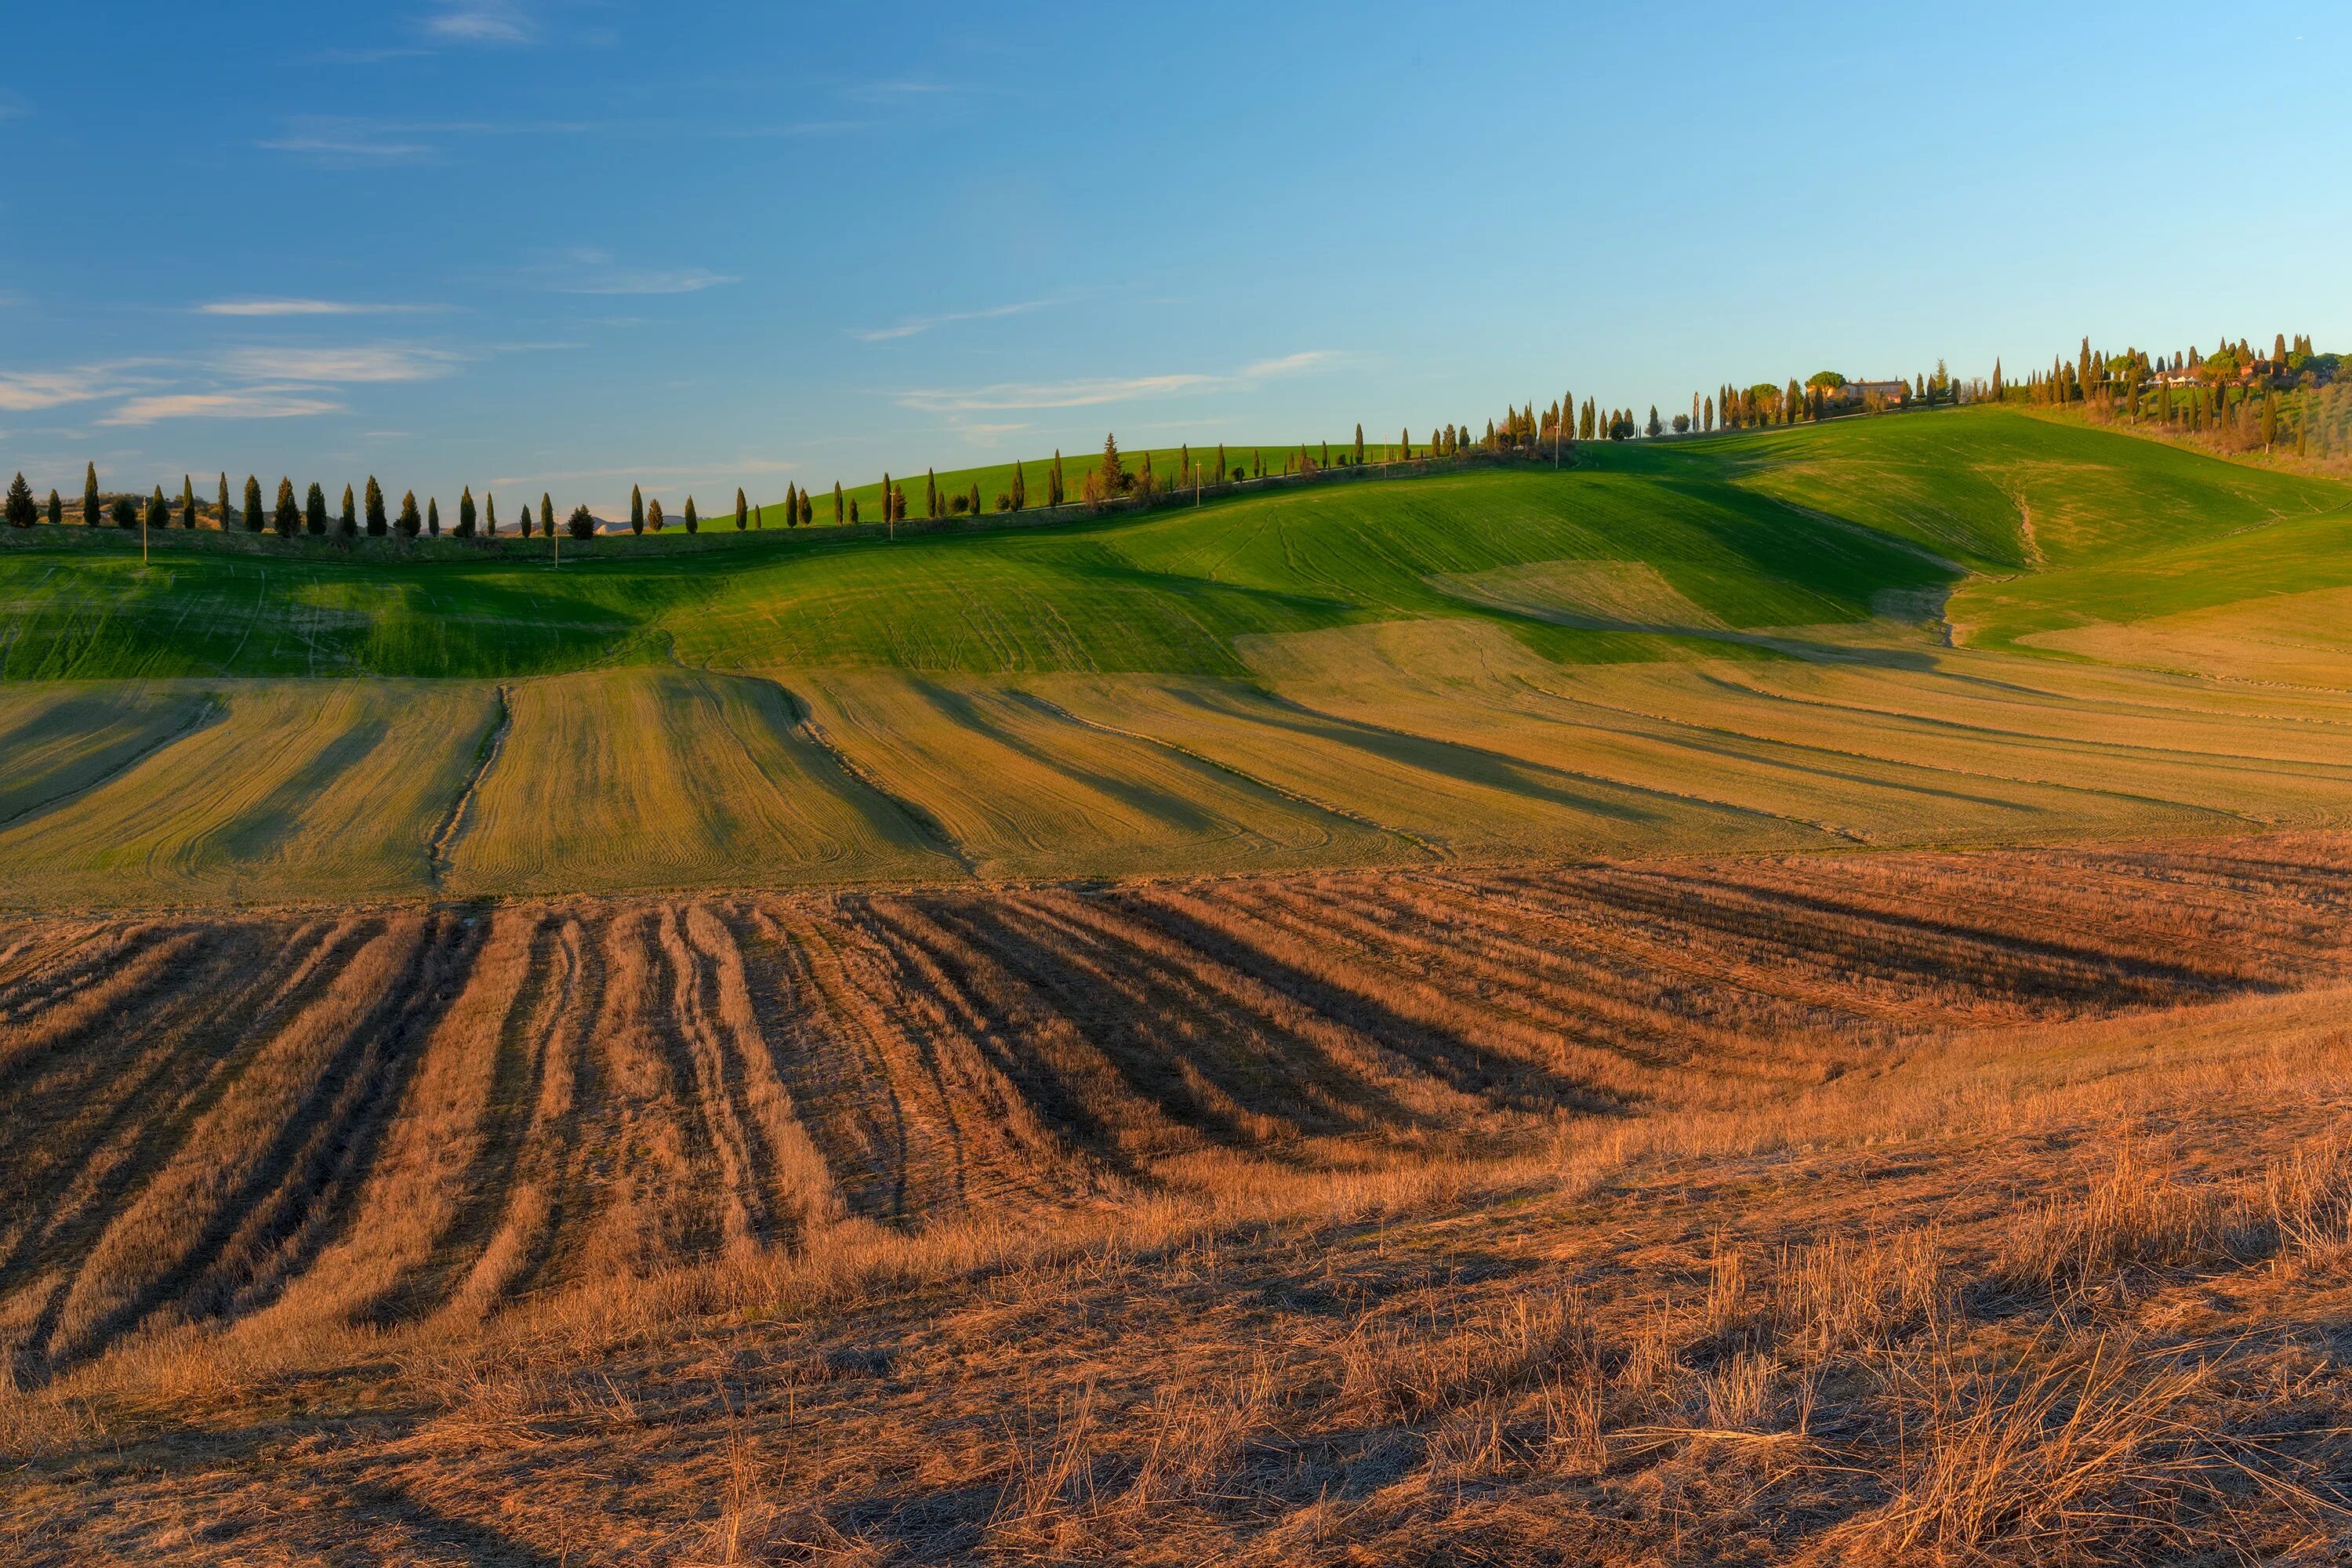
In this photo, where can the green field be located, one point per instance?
(1953, 627)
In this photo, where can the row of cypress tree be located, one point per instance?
(369, 513)
(289, 517)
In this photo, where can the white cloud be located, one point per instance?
(332, 366)
(914, 325)
(480, 22)
(1290, 365)
(308, 307)
(251, 402)
(1053, 395)
(22, 390)
(350, 144)
(1090, 392)
(587, 271)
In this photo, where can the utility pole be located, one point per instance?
(555, 540)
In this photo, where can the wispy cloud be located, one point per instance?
(363, 57)
(916, 325)
(1090, 392)
(588, 271)
(481, 22)
(23, 390)
(337, 366)
(249, 403)
(308, 308)
(1290, 365)
(13, 105)
(348, 141)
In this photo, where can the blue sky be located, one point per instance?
(531, 246)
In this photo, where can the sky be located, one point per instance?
(566, 245)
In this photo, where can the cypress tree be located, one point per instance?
(853, 510)
(930, 492)
(23, 511)
(467, 517)
(253, 524)
(1653, 428)
(808, 509)
(489, 514)
(432, 516)
(1054, 492)
(975, 498)
(159, 511)
(376, 526)
(187, 501)
(547, 516)
(792, 505)
(410, 523)
(288, 516)
(1020, 487)
(742, 512)
(348, 525)
(889, 507)
(1360, 442)
(90, 495)
(224, 503)
(1223, 473)
(314, 509)
(653, 519)
(636, 510)
(838, 514)
(691, 520)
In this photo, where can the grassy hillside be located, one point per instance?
(1802, 527)
(1715, 644)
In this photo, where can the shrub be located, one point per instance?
(582, 523)
(124, 512)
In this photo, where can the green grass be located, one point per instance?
(2295, 554)
(1801, 527)
(1692, 644)
(1165, 591)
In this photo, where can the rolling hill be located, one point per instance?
(1738, 641)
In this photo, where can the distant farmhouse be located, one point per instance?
(1892, 393)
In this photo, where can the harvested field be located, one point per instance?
(1275, 1217)
(663, 778)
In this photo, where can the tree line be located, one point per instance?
(1114, 477)
(289, 517)
(2238, 398)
